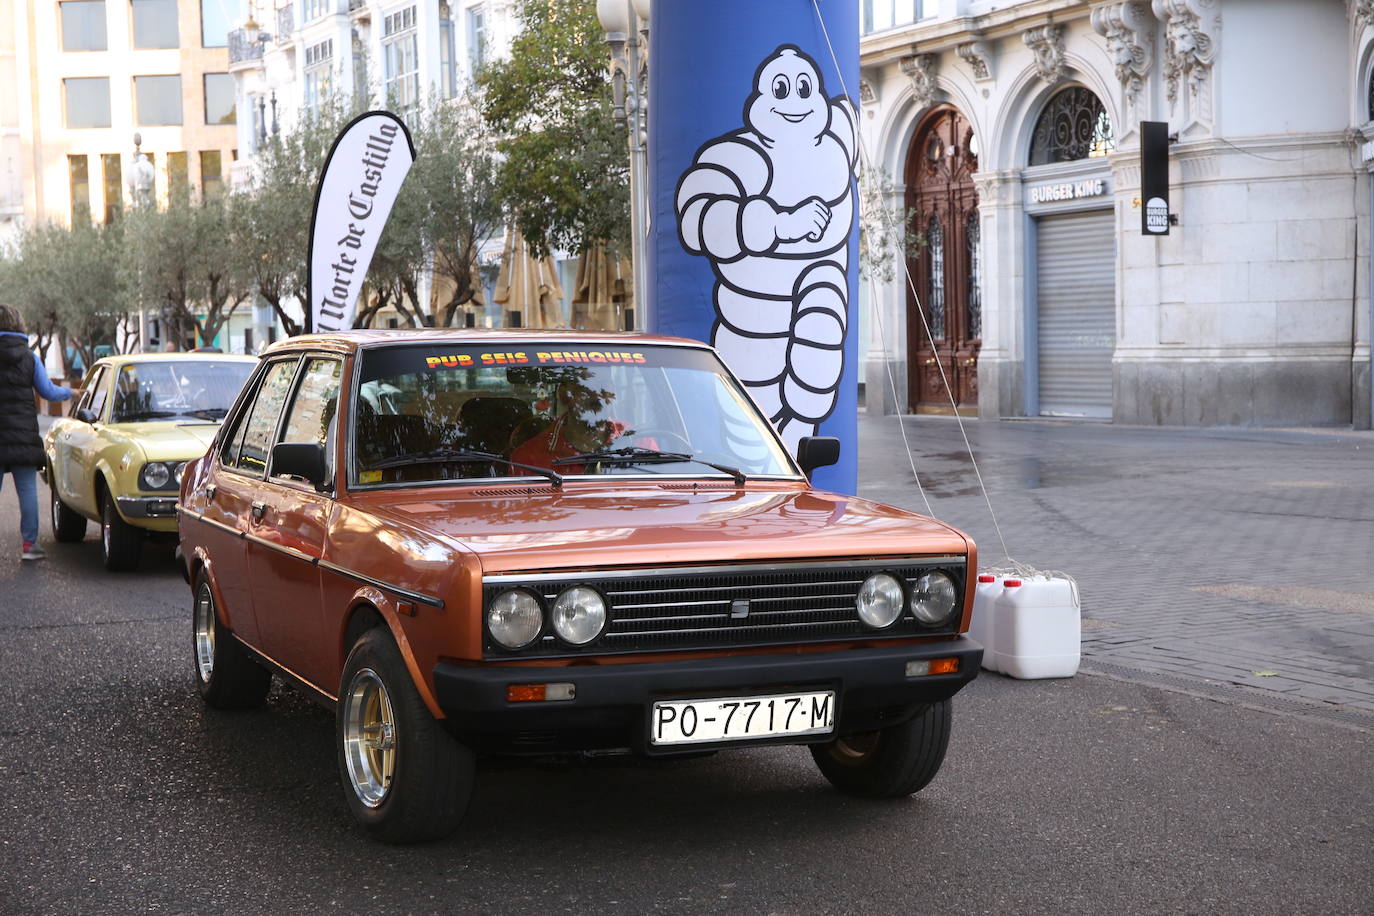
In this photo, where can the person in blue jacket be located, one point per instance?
(21, 450)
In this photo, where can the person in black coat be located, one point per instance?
(21, 450)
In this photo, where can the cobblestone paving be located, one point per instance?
(1234, 563)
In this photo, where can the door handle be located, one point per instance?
(259, 510)
(971, 361)
(930, 362)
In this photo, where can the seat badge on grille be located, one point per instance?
(739, 609)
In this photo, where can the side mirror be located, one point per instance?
(301, 459)
(817, 452)
(86, 415)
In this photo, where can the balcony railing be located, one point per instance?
(245, 46)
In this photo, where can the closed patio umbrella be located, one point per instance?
(529, 286)
(603, 292)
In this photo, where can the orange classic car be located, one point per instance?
(556, 542)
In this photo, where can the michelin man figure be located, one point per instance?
(772, 206)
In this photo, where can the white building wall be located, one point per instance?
(1255, 309)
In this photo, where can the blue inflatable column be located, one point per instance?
(755, 203)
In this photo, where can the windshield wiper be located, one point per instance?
(436, 455)
(638, 455)
(208, 413)
(134, 416)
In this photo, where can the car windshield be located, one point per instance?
(437, 413)
(177, 390)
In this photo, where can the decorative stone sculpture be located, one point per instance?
(1125, 26)
(978, 56)
(920, 69)
(1047, 43)
(1189, 46)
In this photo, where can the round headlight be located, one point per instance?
(156, 475)
(579, 614)
(934, 598)
(880, 600)
(515, 618)
(181, 471)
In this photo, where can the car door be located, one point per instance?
(286, 533)
(233, 487)
(76, 443)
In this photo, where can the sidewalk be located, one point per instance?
(1235, 563)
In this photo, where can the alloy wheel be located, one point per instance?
(369, 737)
(205, 633)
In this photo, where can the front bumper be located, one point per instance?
(612, 705)
(156, 513)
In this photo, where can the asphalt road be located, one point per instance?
(121, 793)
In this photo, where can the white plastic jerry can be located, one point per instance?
(985, 596)
(1036, 627)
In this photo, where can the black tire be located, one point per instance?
(226, 675)
(892, 763)
(120, 543)
(414, 783)
(68, 527)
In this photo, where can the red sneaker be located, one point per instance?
(32, 552)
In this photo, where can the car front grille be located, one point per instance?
(702, 607)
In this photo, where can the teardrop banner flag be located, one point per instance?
(754, 145)
(358, 185)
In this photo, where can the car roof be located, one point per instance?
(124, 359)
(348, 341)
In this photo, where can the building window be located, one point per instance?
(314, 9)
(400, 56)
(1073, 125)
(79, 172)
(935, 296)
(219, 99)
(178, 181)
(477, 38)
(448, 63)
(877, 15)
(155, 24)
(83, 25)
(113, 170)
(88, 101)
(211, 174)
(216, 18)
(361, 91)
(159, 100)
(319, 73)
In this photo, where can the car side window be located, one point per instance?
(94, 398)
(311, 417)
(247, 447)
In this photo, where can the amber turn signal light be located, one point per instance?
(930, 666)
(533, 693)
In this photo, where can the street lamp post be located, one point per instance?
(627, 33)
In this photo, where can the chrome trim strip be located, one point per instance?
(230, 529)
(282, 548)
(803, 565)
(417, 597)
(140, 506)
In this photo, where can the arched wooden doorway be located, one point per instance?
(944, 207)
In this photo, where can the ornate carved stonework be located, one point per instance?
(1361, 13)
(978, 56)
(1189, 47)
(1047, 42)
(1126, 27)
(867, 94)
(920, 69)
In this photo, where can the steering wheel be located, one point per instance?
(668, 441)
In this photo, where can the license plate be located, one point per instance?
(742, 718)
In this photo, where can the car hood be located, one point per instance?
(165, 440)
(522, 528)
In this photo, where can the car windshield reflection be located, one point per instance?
(452, 413)
(177, 390)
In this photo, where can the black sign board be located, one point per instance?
(1154, 177)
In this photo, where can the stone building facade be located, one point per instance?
(1010, 133)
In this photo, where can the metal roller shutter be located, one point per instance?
(1076, 318)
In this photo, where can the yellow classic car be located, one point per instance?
(117, 460)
